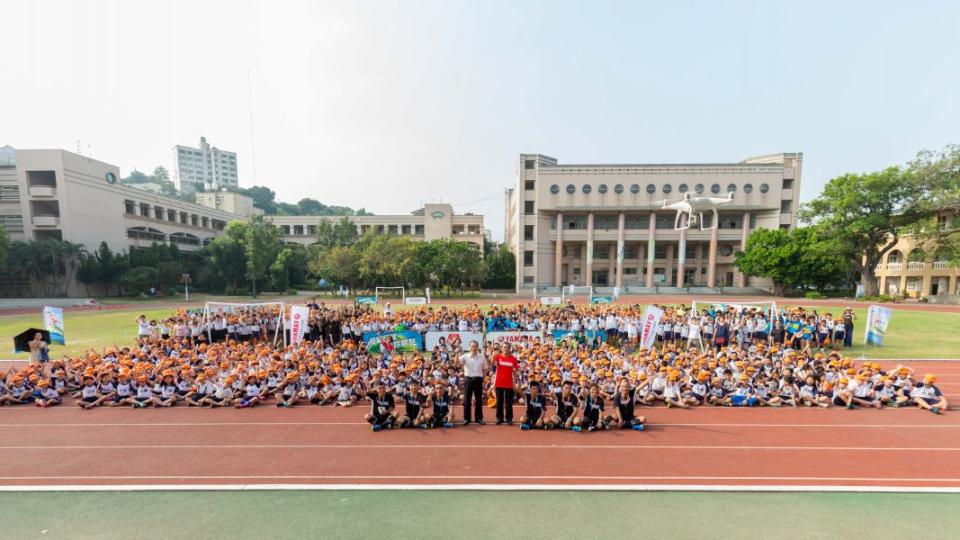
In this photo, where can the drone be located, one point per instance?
(690, 210)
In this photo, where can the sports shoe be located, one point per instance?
(480, 422)
(448, 424)
(465, 423)
(576, 428)
(524, 427)
(935, 410)
(375, 427)
(638, 427)
(591, 429)
(499, 422)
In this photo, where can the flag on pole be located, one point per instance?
(298, 322)
(878, 318)
(648, 326)
(53, 319)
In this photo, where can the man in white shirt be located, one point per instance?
(474, 368)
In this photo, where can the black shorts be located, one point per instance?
(90, 399)
(436, 421)
(839, 402)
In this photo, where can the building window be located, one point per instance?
(788, 183)
(418, 229)
(726, 250)
(618, 189)
(571, 189)
(666, 221)
(698, 188)
(392, 229)
(194, 220)
(785, 207)
(172, 215)
(764, 188)
(606, 223)
(554, 189)
(630, 251)
(527, 280)
(128, 207)
(158, 212)
(635, 222)
(667, 188)
(405, 229)
(527, 207)
(943, 222)
(629, 271)
(285, 229)
(748, 188)
(586, 189)
(634, 188)
(528, 257)
(729, 222)
(659, 251)
(528, 164)
(575, 223)
(683, 188)
(298, 230)
(715, 188)
(602, 188)
(144, 210)
(651, 188)
(731, 188)
(528, 232)
(528, 185)
(378, 229)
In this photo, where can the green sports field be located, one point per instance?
(912, 334)
(466, 514)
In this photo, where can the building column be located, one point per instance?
(559, 268)
(951, 289)
(651, 247)
(588, 279)
(712, 259)
(903, 283)
(611, 264)
(668, 271)
(682, 258)
(621, 225)
(744, 234)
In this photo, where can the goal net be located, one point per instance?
(268, 317)
(576, 290)
(390, 292)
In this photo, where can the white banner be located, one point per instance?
(648, 326)
(298, 323)
(431, 339)
(415, 300)
(511, 337)
(551, 300)
(53, 319)
(878, 319)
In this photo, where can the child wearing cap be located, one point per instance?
(252, 392)
(810, 394)
(166, 389)
(928, 396)
(863, 393)
(143, 393)
(288, 391)
(46, 395)
(89, 390)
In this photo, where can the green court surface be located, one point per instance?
(912, 334)
(474, 514)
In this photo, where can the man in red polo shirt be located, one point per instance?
(505, 364)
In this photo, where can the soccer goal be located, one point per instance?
(212, 309)
(381, 292)
(576, 290)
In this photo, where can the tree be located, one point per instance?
(4, 245)
(89, 272)
(793, 259)
(339, 233)
(340, 265)
(138, 280)
(501, 266)
(261, 243)
(110, 268)
(864, 214)
(263, 198)
(940, 232)
(160, 174)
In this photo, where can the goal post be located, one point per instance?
(570, 291)
(401, 290)
(212, 309)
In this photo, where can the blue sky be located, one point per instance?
(391, 104)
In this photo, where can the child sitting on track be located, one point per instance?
(535, 407)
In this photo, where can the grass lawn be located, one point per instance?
(465, 514)
(912, 334)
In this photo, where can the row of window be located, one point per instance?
(172, 215)
(651, 188)
(634, 222)
(631, 252)
(153, 235)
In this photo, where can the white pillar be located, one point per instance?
(681, 258)
(651, 247)
(588, 279)
(621, 223)
(744, 234)
(557, 279)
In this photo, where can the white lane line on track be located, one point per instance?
(475, 446)
(486, 487)
(477, 477)
(301, 424)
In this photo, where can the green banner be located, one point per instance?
(366, 299)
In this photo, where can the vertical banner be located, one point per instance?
(648, 326)
(878, 318)
(298, 323)
(53, 319)
(651, 247)
(619, 251)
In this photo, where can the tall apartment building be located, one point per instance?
(604, 225)
(431, 222)
(206, 168)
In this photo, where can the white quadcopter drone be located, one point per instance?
(690, 210)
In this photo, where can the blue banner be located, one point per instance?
(559, 335)
(53, 319)
(601, 299)
(403, 341)
(366, 299)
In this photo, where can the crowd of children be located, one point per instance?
(573, 383)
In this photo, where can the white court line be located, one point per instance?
(473, 446)
(485, 487)
(294, 424)
(481, 477)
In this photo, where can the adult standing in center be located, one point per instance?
(506, 366)
(474, 368)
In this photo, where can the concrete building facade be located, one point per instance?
(910, 270)
(431, 222)
(604, 225)
(206, 168)
(67, 196)
(228, 201)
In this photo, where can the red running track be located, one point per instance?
(903, 448)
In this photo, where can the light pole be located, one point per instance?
(186, 280)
